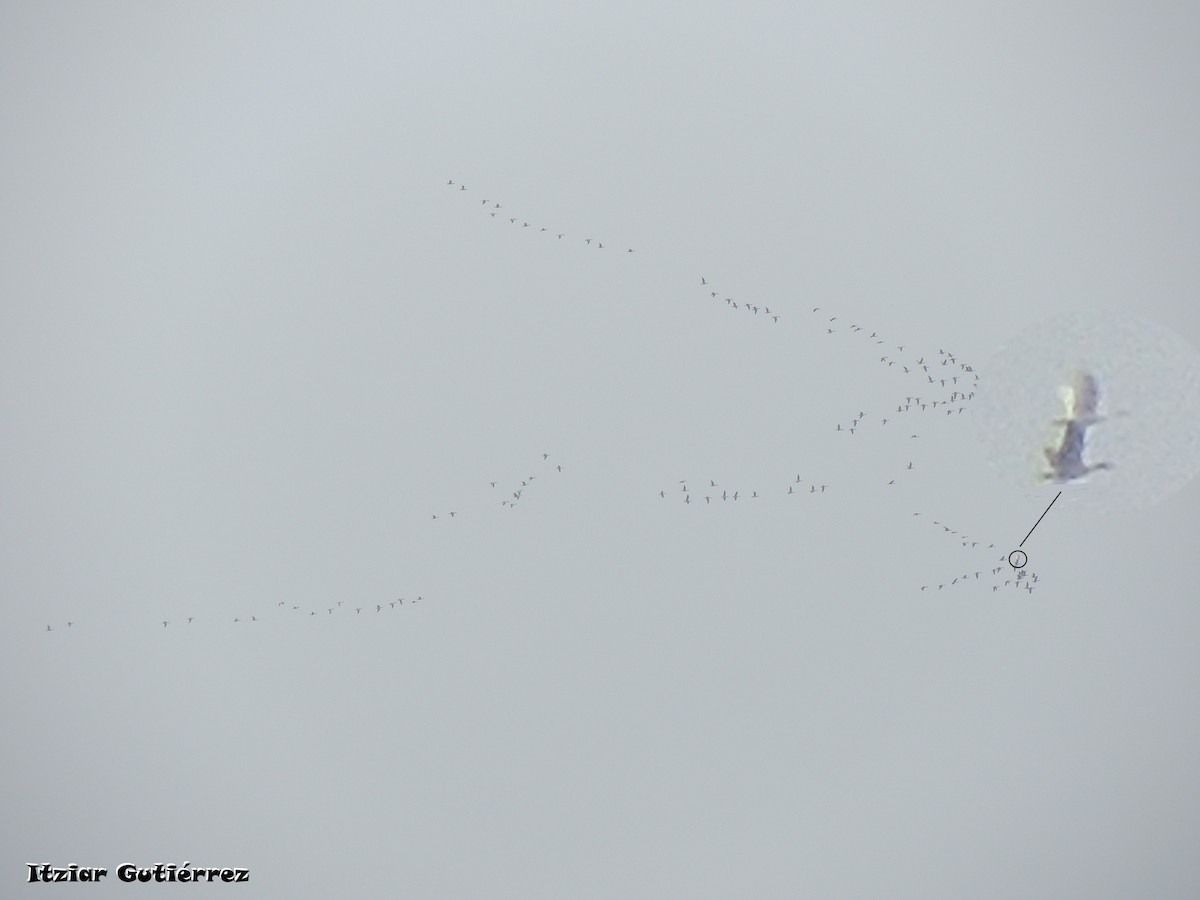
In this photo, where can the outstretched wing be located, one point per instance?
(1086, 396)
(1081, 399)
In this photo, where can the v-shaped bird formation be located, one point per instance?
(930, 384)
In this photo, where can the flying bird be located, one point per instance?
(1065, 459)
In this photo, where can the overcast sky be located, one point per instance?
(253, 343)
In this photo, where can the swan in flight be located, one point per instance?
(1081, 401)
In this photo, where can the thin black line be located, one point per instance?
(1042, 516)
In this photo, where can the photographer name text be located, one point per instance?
(129, 872)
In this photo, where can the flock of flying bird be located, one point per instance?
(511, 493)
(494, 210)
(1021, 578)
(708, 494)
(941, 383)
(945, 384)
(285, 606)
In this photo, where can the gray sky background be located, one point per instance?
(252, 343)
